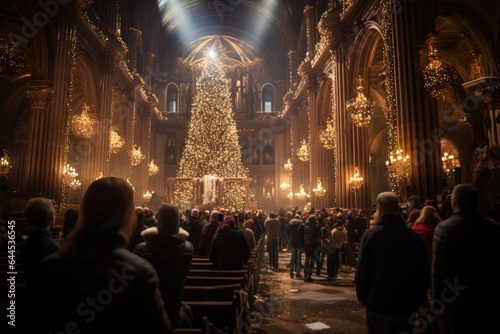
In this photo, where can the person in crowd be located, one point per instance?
(242, 226)
(446, 209)
(167, 249)
(149, 218)
(351, 236)
(229, 249)
(425, 225)
(414, 202)
(204, 217)
(208, 232)
(185, 219)
(69, 223)
(360, 226)
(391, 296)
(193, 226)
(283, 240)
(95, 283)
(273, 227)
(431, 202)
(311, 234)
(339, 238)
(136, 237)
(40, 213)
(327, 247)
(296, 243)
(465, 248)
(413, 216)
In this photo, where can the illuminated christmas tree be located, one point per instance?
(212, 143)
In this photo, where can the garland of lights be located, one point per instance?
(334, 123)
(390, 95)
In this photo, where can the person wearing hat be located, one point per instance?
(229, 249)
(167, 249)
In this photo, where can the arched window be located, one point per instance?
(172, 98)
(267, 98)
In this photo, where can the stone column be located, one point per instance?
(417, 118)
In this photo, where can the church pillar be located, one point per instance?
(417, 119)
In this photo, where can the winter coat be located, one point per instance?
(171, 257)
(392, 275)
(294, 233)
(326, 240)
(312, 234)
(207, 234)
(35, 248)
(339, 236)
(465, 249)
(426, 231)
(272, 226)
(101, 286)
(248, 233)
(229, 250)
(194, 227)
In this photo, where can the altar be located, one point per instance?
(209, 192)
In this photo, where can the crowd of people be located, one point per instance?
(126, 267)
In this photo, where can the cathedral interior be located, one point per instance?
(334, 100)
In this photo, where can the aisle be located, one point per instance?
(285, 305)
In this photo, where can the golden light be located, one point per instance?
(136, 155)
(436, 75)
(450, 162)
(5, 165)
(360, 108)
(70, 177)
(148, 195)
(303, 152)
(115, 141)
(398, 165)
(327, 136)
(302, 194)
(288, 166)
(319, 191)
(153, 168)
(284, 186)
(290, 195)
(83, 125)
(356, 180)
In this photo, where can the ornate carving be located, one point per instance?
(40, 95)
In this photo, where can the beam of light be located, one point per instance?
(175, 16)
(267, 10)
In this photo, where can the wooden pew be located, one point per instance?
(214, 281)
(223, 314)
(218, 273)
(203, 266)
(206, 328)
(210, 293)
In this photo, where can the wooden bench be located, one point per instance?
(218, 273)
(206, 328)
(214, 281)
(203, 266)
(223, 314)
(210, 293)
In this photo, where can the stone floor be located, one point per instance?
(285, 305)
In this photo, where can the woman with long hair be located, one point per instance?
(94, 285)
(425, 225)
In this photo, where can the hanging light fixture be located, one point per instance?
(436, 74)
(290, 195)
(319, 191)
(136, 155)
(83, 125)
(70, 177)
(284, 186)
(302, 194)
(327, 136)
(360, 108)
(115, 141)
(130, 183)
(5, 165)
(450, 162)
(303, 152)
(153, 168)
(398, 165)
(147, 196)
(356, 181)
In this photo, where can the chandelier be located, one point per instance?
(69, 177)
(153, 168)
(290, 195)
(398, 165)
(319, 191)
(360, 108)
(302, 194)
(288, 166)
(5, 165)
(436, 75)
(327, 136)
(147, 196)
(450, 162)
(100, 176)
(83, 125)
(356, 181)
(136, 155)
(284, 186)
(115, 141)
(130, 183)
(303, 151)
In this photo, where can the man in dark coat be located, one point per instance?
(166, 248)
(465, 248)
(392, 275)
(229, 246)
(312, 237)
(360, 226)
(208, 232)
(296, 243)
(194, 225)
(41, 215)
